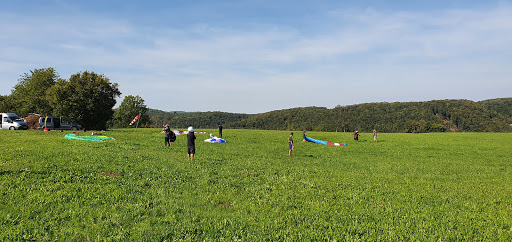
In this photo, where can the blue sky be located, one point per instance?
(258, 56)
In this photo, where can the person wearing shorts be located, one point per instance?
(375, 135)
(191, 143)
(290, 144)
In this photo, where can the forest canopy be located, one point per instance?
(415, 117)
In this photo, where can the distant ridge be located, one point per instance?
(493, 115)
(154, 111)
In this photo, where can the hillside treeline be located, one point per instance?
(205, 120)
(415, 117)
(502, 106)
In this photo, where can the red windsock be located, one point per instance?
(135, 119)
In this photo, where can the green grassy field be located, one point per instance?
(437, 186)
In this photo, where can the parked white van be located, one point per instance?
(12, 121)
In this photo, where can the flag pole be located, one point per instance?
(137, 125)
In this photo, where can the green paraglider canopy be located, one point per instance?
(97, 138)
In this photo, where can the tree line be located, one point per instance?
(87, 98)
(414, 117)
(205, 120)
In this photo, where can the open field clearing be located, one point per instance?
(436, 186)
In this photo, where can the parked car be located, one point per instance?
(54, 122)
(12, 121)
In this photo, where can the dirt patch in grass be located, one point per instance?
(111, 174)
(224, 205)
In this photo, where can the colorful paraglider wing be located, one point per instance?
(215, 140)
(309, 139)
(180, 132)
(97, 138)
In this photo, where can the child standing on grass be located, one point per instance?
(290, 144)
(375, 135)
(191, 143)
(303, 136)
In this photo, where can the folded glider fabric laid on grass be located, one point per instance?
(323, 142)
(97, 138)
(180, 132)
(215, 140)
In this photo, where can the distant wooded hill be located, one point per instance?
(493, 115)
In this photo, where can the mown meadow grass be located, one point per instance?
(436, 186)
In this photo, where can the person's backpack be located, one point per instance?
(173, 136)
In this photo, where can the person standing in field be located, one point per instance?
(304, 136)
(220, 131)
(290, 144)
(167, 132)
(356, 136)
(191, 143)
(375, 135)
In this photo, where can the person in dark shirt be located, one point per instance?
(303, 136)
(167, 132)
(220, 131)
(191, 143)
(356, 136)
(290, 144)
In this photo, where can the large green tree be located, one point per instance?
(129, 108)
(29, 94)
(5, 104)
(86, 98)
